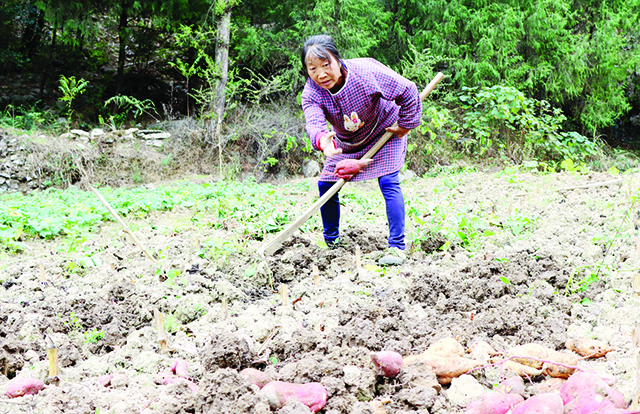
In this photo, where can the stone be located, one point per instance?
(79, 133)
(152, 134)
(155, 143)
(351, 374)
(464, 389)
(406, 175)
(311, 168)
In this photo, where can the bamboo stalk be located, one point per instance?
(162, 334)
(273, 333)
(225, 308)
(125, 228)
(358, 261)
(284, 295)
(54, 365)
(315, 272)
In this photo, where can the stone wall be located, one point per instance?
(14, 171)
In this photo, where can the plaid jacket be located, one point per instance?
(372, 99)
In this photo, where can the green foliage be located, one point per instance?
(502, 119)
(171, 324)
(255, 209)
(576, 54)
(133, 105)
(70, 89)
(93, 336)
(26, 118)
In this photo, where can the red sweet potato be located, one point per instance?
(312, 394)
(589, 402)
(591, 348)
(19, 387)
(255, 377)
(548, 385)
(105, 380)
(387, 363)
(512, 385)
(494, 403)
(166, 378)
(585, 382)
(180, 367)
(550, 403)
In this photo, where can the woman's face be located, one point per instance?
(326, 73)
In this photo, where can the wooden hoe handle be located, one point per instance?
(274, 244)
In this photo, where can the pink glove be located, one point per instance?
(346, 169)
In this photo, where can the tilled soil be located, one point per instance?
(568, 273)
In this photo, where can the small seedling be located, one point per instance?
(93, 336)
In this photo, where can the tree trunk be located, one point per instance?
(222, 59)
(222, 63)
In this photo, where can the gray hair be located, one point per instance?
(320, 46)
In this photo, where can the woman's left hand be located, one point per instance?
(398, 130)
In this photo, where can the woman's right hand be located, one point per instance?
(327, 145)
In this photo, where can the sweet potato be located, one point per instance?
(589, 402)
(255, 377)
(560, 371)
(550, 403)
(446, 347)
(548, 385)
(167, 378)
(19, 387)
(387, 363)
(105, 380)
(377, 407)
(512, 385)
(585, 382)
(481, 346)
(529, 351)
(494, 403)
(445, 367)
(591, 348)
(481, 350)
(519, 369)
(180, 367)
(312, 394)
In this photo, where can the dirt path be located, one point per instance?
(524, 263)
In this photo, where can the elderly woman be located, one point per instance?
(361, 99)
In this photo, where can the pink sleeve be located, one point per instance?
(316, 123)
(402, 91)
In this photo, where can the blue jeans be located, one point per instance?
(394, 201)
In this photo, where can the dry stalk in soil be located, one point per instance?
(124, 226)
(162, 334)
(54, 366)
